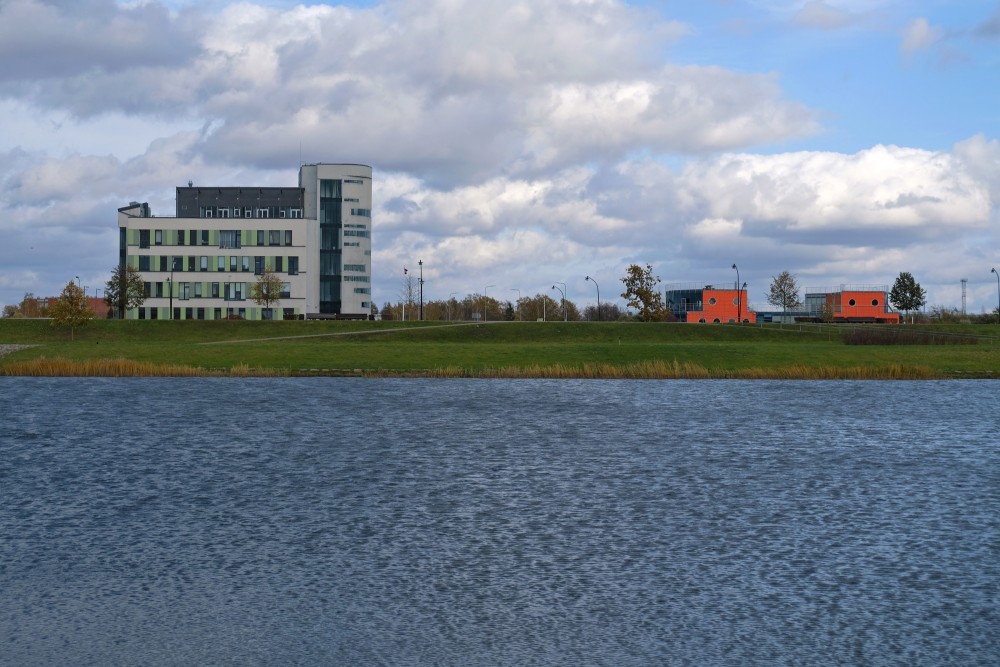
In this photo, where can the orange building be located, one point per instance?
(853, 304)
(710, 305)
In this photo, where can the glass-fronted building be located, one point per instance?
(202, 262)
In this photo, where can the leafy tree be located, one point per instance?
(71, 309)
(784, 292)
(267, 290)
(124, 290)
(641, 292)
(907, 294)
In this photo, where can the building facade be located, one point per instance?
(709, 305)
(202, 262)
(844, 304)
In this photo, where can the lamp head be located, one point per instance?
(734, 266)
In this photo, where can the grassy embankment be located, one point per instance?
(501, 349)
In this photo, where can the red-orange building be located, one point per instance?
(710, 305)
(853, 304)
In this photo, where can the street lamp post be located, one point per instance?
(993, 270)
(420, 263)
(739, 295)
(514, 289)
(598, 296)
(562, 293)
(486, 315)
(742, 292)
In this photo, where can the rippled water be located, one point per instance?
(475, 522)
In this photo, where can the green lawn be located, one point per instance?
(421, 346)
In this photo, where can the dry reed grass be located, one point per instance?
(126, 368)
(646, 370)
(664, 370)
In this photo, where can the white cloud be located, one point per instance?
(823, 15)
(513, 143)
(919, 35)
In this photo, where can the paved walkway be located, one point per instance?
(348, 333)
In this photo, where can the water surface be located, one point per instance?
(353, 521)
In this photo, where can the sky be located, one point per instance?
(518, 144)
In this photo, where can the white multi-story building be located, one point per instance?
(201, 263)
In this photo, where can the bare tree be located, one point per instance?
(784, 293)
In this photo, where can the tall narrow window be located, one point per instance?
(293, 266)
(288, 237)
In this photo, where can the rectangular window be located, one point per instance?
(230, 238)
(246, 263)
(354, 267)
(279, 264)
(289, 313)
(143, 238)
(218, 313)
(197, 290)
(215, 290)
(220, 264)
(329, 189)
(260, 237)
(274, 237)
(258, 265)
(201, 313)
(144, 262)
(204, 262)
(354, 181)
(208, 212)
(223, 212)
(262, 213)
(158, 237)
(281, 213)
(188, 313)
(233, 263)
(185, 291)
(146, 289)
(180, 236)
(159, 290)
(363, 212)
(204, 237)
(295, 213)
(163, 263)
(190, 262)
(193, 236)
(293, 266)
(286, 291)
(288, 237)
